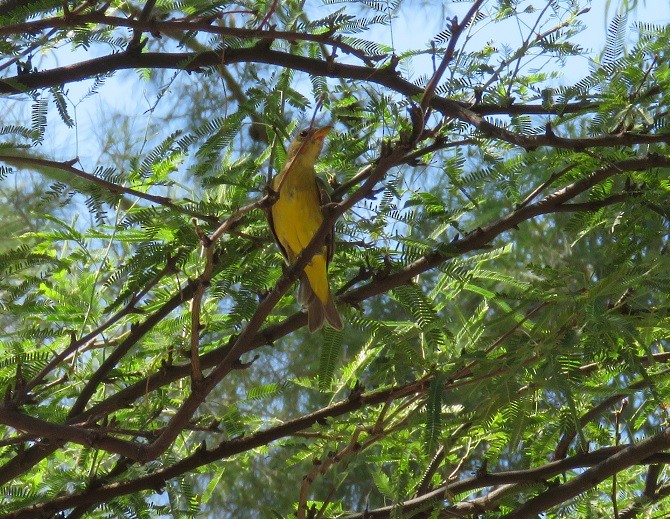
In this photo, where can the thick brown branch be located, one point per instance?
(483, 236)
(561, 449)
(631, 455)
(183, 25)
(57, 432)
(512, 480)
(382, 76)
(226, 449)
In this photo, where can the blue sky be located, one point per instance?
(417, 25)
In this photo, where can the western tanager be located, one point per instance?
(294, 219)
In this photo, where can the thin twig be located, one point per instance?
(467, 370)
(135, 44)
(268, 15)
(456, 30)
(321, 468)
(30, 48)
(544, 185)
(114, 189)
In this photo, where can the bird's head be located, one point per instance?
(308, 144)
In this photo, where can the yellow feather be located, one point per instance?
(296, 216)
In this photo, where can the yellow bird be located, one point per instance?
(294, 219)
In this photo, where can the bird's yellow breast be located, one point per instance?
(297, 216)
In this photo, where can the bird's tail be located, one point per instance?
(315, 296)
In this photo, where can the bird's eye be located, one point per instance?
(303, 133)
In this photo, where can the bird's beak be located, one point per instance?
(320, 133)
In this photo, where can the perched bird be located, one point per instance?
(294, 219)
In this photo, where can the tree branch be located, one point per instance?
(226, 449)
(112, 188)
(456, 29)
(383, 76)
(508, 481)
(631, 455)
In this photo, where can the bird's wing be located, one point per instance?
(324, 197)
(268, 214)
